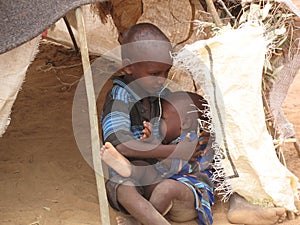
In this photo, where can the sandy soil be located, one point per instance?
(43, 177)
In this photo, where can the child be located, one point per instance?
(181, 112)
(134, 98)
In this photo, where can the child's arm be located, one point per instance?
(115, 122)
(133, 148)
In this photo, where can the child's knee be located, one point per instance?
(174, 190)
(168, 188)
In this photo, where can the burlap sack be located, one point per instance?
(229, 68)
(172, 17)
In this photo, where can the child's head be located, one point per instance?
(146, 56)
(180, 111)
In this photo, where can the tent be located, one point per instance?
(11, 45)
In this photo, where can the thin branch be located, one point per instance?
(212, 10)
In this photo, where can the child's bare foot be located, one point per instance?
(241, 211)
(127, 220)
(115, 160)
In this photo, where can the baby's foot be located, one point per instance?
(115, 160)
(127, 220)
(246, 213)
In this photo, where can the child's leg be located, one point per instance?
(137, 206)
(169, 191)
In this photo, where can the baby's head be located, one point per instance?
(180, 111)
(146, 54)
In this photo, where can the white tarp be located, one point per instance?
(229, 69)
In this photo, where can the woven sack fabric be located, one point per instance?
(229, 68)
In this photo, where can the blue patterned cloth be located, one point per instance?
(196, 175)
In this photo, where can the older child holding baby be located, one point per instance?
(133, 99)
(182, 114)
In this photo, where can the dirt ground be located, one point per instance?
(43, 177)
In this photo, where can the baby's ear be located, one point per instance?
(186, 123)
(126, 63)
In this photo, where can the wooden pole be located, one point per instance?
(93, 117)
(212, 10)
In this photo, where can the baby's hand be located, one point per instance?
(147, 134)
(147, 131)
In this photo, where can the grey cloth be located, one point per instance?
(23, 20)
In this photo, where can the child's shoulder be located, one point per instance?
(120, 90)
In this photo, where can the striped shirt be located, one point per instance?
(123, 113)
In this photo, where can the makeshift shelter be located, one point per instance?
(7, 45)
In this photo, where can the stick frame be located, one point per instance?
(93, 117)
